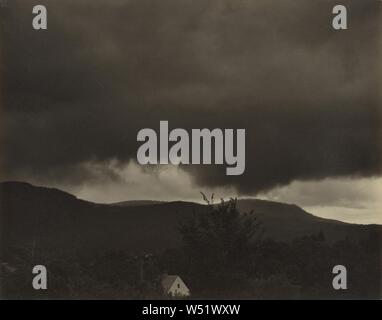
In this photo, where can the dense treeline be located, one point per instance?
(223, 256)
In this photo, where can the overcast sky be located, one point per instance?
(76, 95)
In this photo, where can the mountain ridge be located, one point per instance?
(56, 219)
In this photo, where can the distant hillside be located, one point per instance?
(133, 203)
(54, 219)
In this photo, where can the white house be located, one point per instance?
(174, 286)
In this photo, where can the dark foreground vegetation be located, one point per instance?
(222, 255)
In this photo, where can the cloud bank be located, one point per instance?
(308, 96)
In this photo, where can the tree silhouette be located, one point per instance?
(218, 240)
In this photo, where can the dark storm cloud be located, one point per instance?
(307, 95)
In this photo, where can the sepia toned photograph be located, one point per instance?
(190, 150)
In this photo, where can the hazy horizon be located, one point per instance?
(363, 211)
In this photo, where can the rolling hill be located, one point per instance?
(53, 219)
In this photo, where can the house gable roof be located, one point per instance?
(167, 281)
